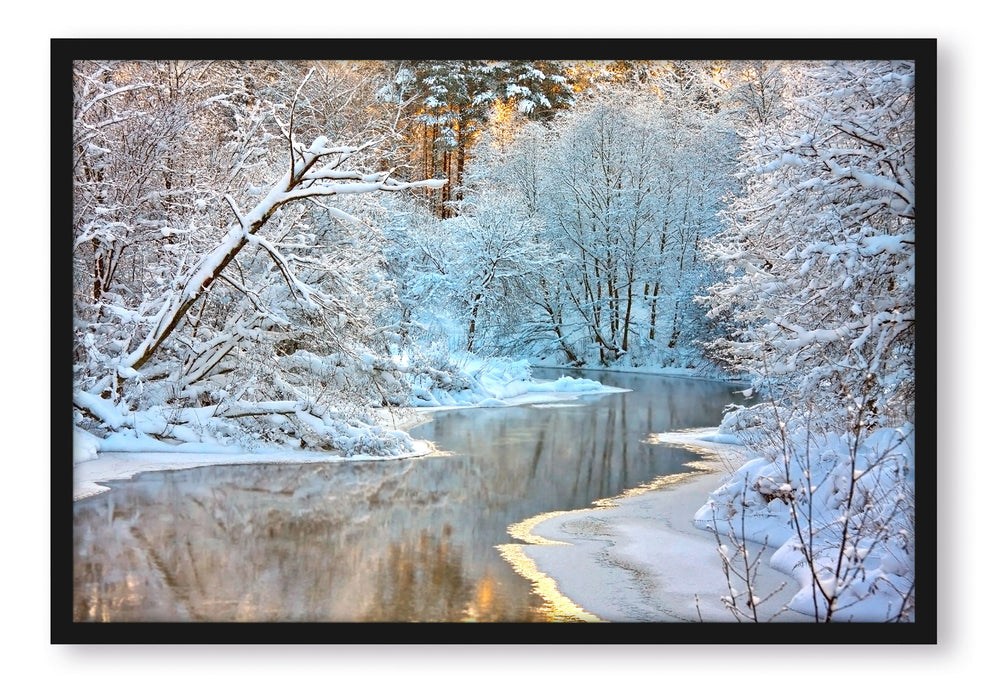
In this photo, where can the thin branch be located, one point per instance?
(233, 206)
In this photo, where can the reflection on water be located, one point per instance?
(411, 540)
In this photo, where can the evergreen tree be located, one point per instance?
(455, 99)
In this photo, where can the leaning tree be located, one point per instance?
(218, 307)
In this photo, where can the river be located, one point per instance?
(407, 540)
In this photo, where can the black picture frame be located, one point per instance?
(923, 51)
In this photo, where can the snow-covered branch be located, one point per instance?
(290, 188)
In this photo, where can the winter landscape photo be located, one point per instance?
(532, 340)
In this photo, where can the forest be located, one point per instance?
(279, 251)
(300, 253)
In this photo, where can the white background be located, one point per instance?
(35, 668)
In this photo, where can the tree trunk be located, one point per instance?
(627, 321)
(196, 283)
(472, 322)
(461, 158)
(653, 311)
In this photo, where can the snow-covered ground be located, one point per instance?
(651, 555)
(641, 558)
(844, 502)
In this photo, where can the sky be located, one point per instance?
(586, 671)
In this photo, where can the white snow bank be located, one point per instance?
(498, 382)
(720, 438)
(709, 374)
(493, 383)
(854, 499)
(566, 385)
(89, 475)
(625, 560)
(84, 445)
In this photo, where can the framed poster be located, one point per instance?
(522, 333)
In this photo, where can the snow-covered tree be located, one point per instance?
(470, 277)
(757, 91)
(452, 101)
(820, 248)
(622, 188)
(632, 185)
(820, 299)
(238, 305)
(515, 173)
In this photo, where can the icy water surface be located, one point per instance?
(408, 540)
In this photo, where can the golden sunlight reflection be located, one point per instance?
(661, 482)
(484, 604)
(558, 607)
(713, 456)
(524, 530)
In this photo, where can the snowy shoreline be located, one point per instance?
(89, 476)
(652, 370)
(641, 555)
(93, 465)
(621, 560)
(624, 560)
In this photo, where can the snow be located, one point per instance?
(758, 501)
(625, 562)
(855, 495)
(122, 455)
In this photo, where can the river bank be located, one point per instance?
(97, 461)
(640, 558)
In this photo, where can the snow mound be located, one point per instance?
(853, 498)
